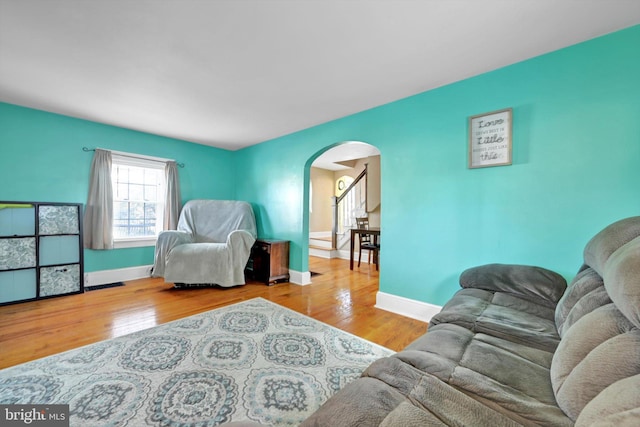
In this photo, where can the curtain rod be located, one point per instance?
(140, 156)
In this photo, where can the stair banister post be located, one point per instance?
(334, 227)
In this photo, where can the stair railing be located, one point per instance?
(351, 203)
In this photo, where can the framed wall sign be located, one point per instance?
(490, 139)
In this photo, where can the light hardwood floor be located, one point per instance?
(337, 296)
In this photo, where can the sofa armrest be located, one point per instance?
(529, 282)
(175, 236)
(167, 240)
(241, 242)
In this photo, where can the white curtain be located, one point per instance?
(98, 214)
(172, 197)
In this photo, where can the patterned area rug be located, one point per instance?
(253, 360)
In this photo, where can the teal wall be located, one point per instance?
(41, 159)
(576, 158)
(576, 136)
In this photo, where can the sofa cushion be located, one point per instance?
(503, 315)
(409, 415)
(597, 351)
(585, 293)
(392, 393)
(617, 405)
(622, 280)
(363, 402)
(610, 239)
(535, 284)
(434, 402)
(510, 378)
(439, 351)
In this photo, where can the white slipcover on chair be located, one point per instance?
(211, 245)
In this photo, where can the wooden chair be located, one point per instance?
(367, 242)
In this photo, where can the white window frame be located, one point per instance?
(127, 159)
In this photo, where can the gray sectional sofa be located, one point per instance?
(517, 346)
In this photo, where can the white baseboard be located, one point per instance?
(332, 254)
(407, 307)
(103, 277)
(300, 277)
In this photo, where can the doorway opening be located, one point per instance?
(344, 184)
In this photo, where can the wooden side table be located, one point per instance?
(269, 261)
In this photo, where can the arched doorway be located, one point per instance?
(330, 173)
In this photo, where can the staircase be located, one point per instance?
(348, 206)
(320, 245)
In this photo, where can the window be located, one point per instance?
(138, 200)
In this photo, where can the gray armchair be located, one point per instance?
(211, 245)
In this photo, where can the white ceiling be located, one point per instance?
(232, 73)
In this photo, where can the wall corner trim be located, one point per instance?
(300, 277)
(407, 307)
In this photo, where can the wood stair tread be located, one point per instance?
(321, 247)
